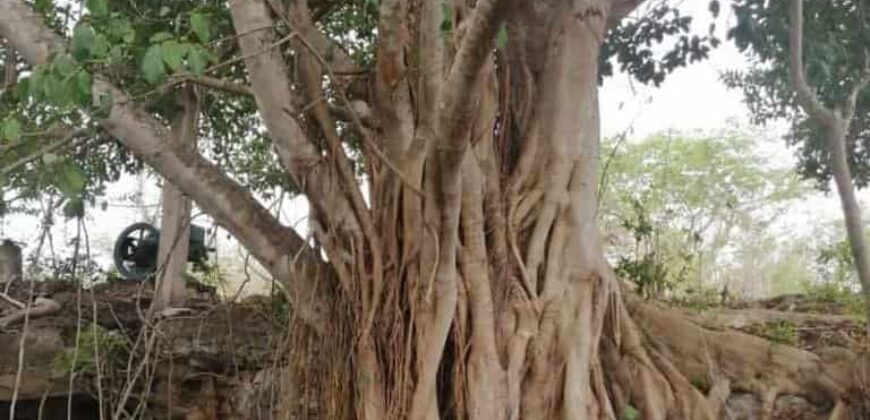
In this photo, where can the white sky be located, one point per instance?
(690, 99)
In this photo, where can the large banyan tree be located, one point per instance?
(449, 150)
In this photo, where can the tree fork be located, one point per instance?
(277, 247)
(552, 335)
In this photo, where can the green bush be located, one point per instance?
(110, 345)
(782, 332)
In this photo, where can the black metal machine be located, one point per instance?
(135, 253)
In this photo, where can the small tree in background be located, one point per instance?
(686, 201)
(813, 69)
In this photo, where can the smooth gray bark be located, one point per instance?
(175, 223)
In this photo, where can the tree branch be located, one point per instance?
(430, 73)
(852, 99)
(392, 97)
(271, 88)
(214, 83)
(455, 110)
(217, 194)
(65, 141)
(345, 114)
(807, 99)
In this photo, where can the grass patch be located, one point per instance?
(782, 332)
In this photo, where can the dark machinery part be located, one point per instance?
(135, 253)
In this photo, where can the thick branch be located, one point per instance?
(230, 204)
(338, 112)
(392, 97)
(270, 85)
(339, 61)
(431, 65)
(216, 83)
(852, 99)
(455, 110)
(271, 88)
(807, 99)
(455, 116)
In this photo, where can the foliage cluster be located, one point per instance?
(782, 332)
(674, 206)
(836, 53)
(93, 340)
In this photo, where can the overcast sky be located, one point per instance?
(690, 99)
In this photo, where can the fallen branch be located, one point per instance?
(41, 307)
(12, 301)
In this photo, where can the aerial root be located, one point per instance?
(665, 366)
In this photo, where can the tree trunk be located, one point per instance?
(10, 263)
(470, 281)
(836, 139)
(836, 123)
(175, 221)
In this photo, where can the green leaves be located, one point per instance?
(83, 86)
(74, 208)
(197, 61)
(71, 180)
(99, 8)
(10, 129)
(502, 37)
(835, 39)
(160, 37)
(50, 158)
(446, 18)
(200, 25)
(87, 44)
(83, 40)
(173, 54)
(67, 176)
(120, 29)
(62, 82)
(714, 8)
(630, 413)
(63, 65)
(152, 65)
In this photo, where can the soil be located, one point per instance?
(205, 360)
(215, 361)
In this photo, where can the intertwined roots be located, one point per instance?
(658, 362)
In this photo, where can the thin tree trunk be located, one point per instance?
(836, 139)
(175, 223)
(836, 122)
(10, 264)
(10, 73)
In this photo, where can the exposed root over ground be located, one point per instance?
(214, 362)
(749, 362)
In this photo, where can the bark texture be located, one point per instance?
(468, 281)
(175, 221)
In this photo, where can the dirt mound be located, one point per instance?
(205, 359)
